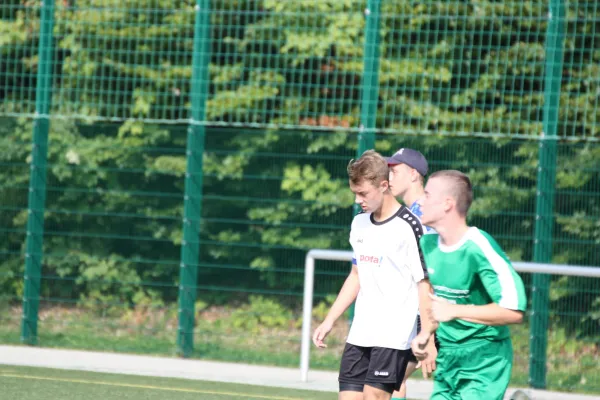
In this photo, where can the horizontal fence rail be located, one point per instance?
(338, 255)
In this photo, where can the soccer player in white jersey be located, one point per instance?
(388, 282)
(408, 168)
(477, 294)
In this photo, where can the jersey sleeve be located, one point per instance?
(501, 281)
(414, 256)
(415, 260)
(351, 243)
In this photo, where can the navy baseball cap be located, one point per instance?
(410, 157)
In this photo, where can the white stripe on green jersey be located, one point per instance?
(506, 275)
(474, 271)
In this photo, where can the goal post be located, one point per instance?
(309, 278)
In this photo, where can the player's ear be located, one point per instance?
(385, 185)
(449, 203)
(414, 175)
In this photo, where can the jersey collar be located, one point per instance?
(397, 213)
(454, 247)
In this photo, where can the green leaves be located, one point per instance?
(449, 71)
(260, 314)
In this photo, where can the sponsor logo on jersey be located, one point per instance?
(382, 373)
(431, 271)
(370, 259)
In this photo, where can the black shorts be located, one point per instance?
(378, 367)
(412, 357)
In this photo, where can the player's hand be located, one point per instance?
(419, 345)
(321, 333)
(428, 363)
(441, 309)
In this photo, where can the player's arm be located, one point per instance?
(428, 323)
(418, 270)
(426, 351)
(424, 344)
(345, 298)
(489, 314)
(504, 287)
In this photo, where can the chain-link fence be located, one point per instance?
(193, 152)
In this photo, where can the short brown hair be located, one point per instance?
(460, 188)
(371, 167)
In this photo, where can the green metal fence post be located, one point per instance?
(370, 79)
(190, 247)
(546, 180)
(37, 179)
(369, 86)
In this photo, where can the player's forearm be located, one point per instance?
(489, 314)
(428, 323)
(345, 298)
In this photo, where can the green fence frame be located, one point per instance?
(190, 247)
(37, 181)
(546, 181)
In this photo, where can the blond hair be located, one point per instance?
(460, 188)
(371, 167)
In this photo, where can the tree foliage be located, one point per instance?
(283, 110)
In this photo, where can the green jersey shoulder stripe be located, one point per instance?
(509, 297)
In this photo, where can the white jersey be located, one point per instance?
(390, 265)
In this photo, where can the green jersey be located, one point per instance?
(474, 271)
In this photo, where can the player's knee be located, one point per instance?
(350, 395)
(378, 391)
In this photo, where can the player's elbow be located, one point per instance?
(516, 317)
(510, 313)
(507, 315)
